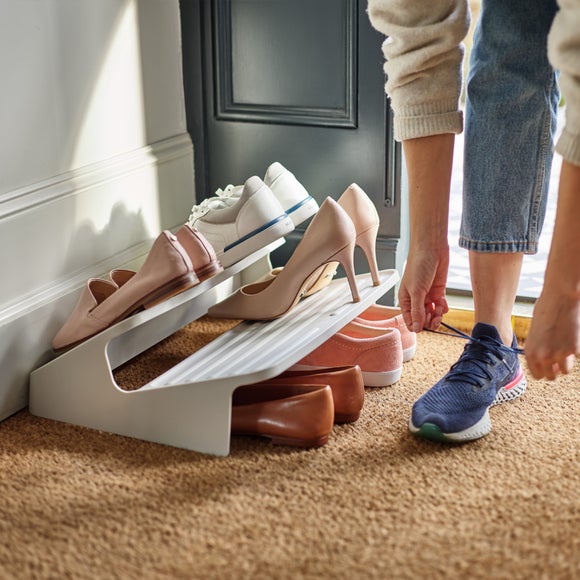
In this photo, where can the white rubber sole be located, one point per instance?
(507, 394)
(409, 353)
(256, 242)
(382, 379)
(480, 429)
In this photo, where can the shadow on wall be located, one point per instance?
(89, 91)
(82, 99)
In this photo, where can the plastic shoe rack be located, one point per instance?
(189, 406)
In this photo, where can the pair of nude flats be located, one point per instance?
(299, 408)
(330, 238)
(174, 264)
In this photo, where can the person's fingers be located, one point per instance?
(435, 322)
(418, 316)
(407, 319)
(534, 368)
(566, 364)
(405, 306)
(549, 371)
(546, 368)
(434, 313)
(441, 306)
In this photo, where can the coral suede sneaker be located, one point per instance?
(377, 351)
(390, 317)
(456, 409)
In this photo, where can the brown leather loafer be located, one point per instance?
(346, 384)
(297, 415)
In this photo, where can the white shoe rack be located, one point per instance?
(189, 406)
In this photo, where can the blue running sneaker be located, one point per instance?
(456, 409)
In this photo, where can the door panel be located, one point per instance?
(274, 85)
(294, 81)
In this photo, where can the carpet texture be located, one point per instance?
(372, 503)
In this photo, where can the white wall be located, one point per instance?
(94, 158)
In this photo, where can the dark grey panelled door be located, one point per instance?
(294, 81)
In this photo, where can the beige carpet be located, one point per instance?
(373, 503)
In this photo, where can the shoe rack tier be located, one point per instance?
(189, 406)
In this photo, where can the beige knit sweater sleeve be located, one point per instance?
(424, 55)
(564, 54)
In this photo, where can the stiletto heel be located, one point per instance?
(367, 243)
(330, 237)
(346, 258)
(364, 216)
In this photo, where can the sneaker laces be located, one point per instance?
(207, 205)
(478, 353)
(228, 191)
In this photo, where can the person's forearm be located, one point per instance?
(429, 163)
(563, 267)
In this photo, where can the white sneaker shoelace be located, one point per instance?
(207, 205)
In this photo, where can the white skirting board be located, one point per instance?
(189, 406)
(59, 232)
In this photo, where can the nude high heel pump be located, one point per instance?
(365, 218)
(330, 237)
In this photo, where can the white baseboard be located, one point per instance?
(57, 233)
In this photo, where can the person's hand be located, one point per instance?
(553, 341)
(422, 290)
(554, 337)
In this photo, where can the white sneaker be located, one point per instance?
(237, 226)
(291, 194)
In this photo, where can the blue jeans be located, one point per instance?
(511, 108)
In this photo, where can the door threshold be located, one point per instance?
(461, 308)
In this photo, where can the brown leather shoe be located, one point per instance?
(296, 415)
(346, 384)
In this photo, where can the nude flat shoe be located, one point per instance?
(201, 253)
(166, 271)
(120, 276)
(329, 237)
(377, 351)
(294, 414)
(79, 323)
(390, 317)
(346, 384)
